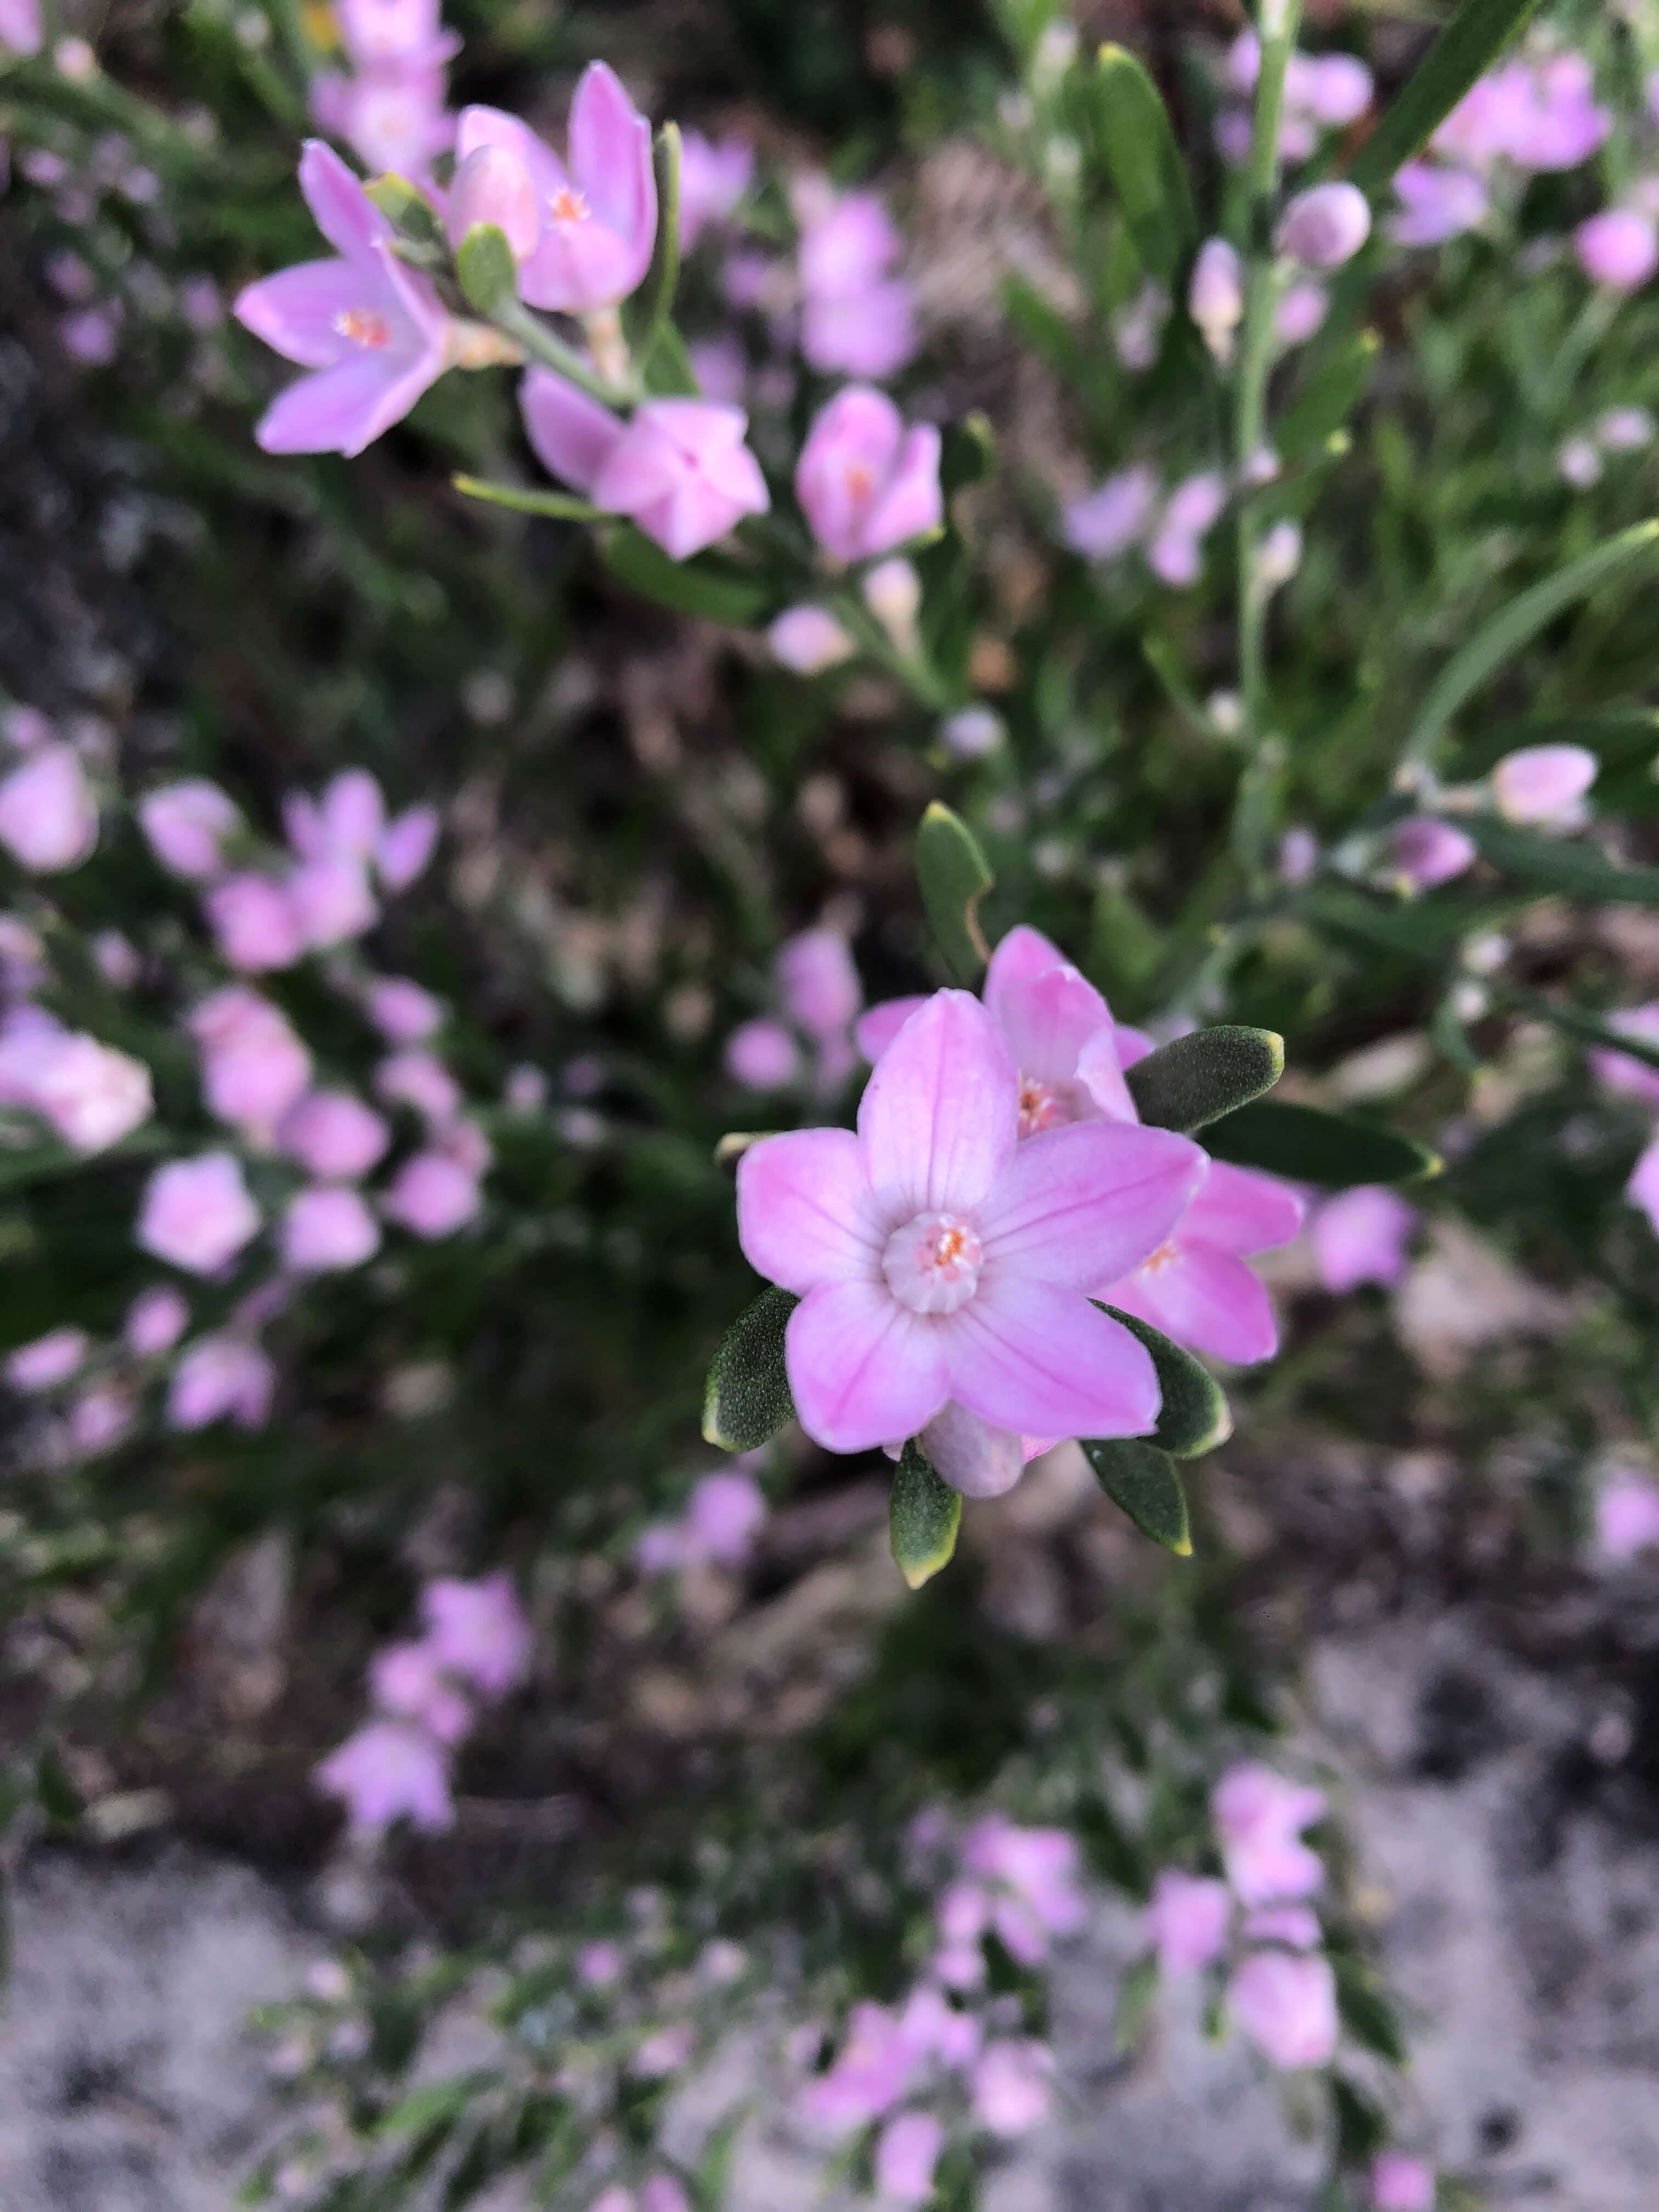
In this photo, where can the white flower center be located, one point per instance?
(931, 1264)
(1042, 1106)
(364, 327)
(568, 205)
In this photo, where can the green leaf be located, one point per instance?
(39, 1163)
(488, 274)
(60, 1800)
(1330, 398)
(1142, 1480)
(1561, 864)
(954, 877)
(646, 314)
(923, 1515)
(666, 370)
(1135, 2003)
(407, 210)
(1421, 928)
(698, 586)
(1476, 34)
(1194, 1416)
(560, 506)
(433, 2102)
(1135, 144)
(1365, 2012)
(747, 1399)
(1307, 1144)
(1516, 625)
(1197, 1079)
(968, 454)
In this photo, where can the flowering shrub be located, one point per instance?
(1139, 774)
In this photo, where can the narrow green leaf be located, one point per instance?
(747, 1399)
(923, 1515)
(488, 274)
(1361, 2127)
(1578, 1021)
(1136, 144)
(1475, 36)
(560, 506)
(1365, 2012)
(1197, 1079)
(1330, 398)
(1194, 1416)
(433, 2102)
(646, 314)
(1135, 2003)
(1516, 625)
(695, 587)
(60, 1800)
(1307, 1144)
(666, 370)
(968, 454)
(54, 1163)
(1142, 1480)
(954, 877)
(1451, 1039)
(1420, 929)
(1561, 864)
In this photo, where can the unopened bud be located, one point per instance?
(1325, 226)
(1215, 298)
(973, 732)
(1279, 556)
(493, 185)
(807, 640)
(892, 592)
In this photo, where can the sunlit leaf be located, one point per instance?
(1197, 1079)
(923, 1515)
(1136, 144)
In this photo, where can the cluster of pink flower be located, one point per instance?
(103, 1405)
(1626, 1515)
(717, 1528)
(476, 1645)
(857, 319)
(1538, 787)
(822, 996)
(389, 106)
(947, 1257)
(1322, 92)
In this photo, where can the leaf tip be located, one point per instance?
(923, 1571)
(1183, 1550)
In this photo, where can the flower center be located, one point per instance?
(1157, 1261)
(861, 482)
(364, 327)
(1042, 1106)
(568, 205)
(931, 1264)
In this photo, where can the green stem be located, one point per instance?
(922, 682)
(1594, 321)
(539, 343)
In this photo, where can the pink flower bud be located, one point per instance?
(432, 1196)
(1360, 1235)
(1618, 248)
(196, 1213)
(807, 640)
(864, 483)
(1215, 297)
(1336, 89)
(892, 592)
(1625, 429)
(907, 2152)
(99, 1418)
(401, 1010)
(1545, 784)
(155, 1320)
(334, 1136)
(820, 985)
(405, 847)
(419, 1079)
(1579, 463)
(221, 1377)
(1186, 1921)
(762, 1055)
(186, 825)
(256, 924)
(253, 1067)
(1279, 556)
(1627, 1517)
(493, 185)
(1114, 517)
(1287, 2007)
(48, 822)
(1423, 853)
(1325, 227)
(48, 1361)
(1399, 2184)
(328, 1228)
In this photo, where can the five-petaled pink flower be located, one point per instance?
(941, 1263)
(1258, 1817)
(864, 483)
(596, 214)
(372, 331)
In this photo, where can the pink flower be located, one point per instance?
(385, 33)
(1360, 1235)
(432, 1196)
(371, 330)
(327, 1228)
(392, 117)
(407, 1680)
(221, 1375)
(664, 2053)
(100, 1418)
(334, 1136)
(20, 26)
(1642, 1188)
(90, 1094)
(1423, 853)
(857, 319)
(599, 1965)
(1037, 1870)
(807, 641)
(597, 217)
(821, 989)
(48, 1360)
(401, 1010)
(762, 1055)
(155, 1320)
(493, 185)
(1301, 311)
(873, 2071)
(196, 1213)
(1012, 2089)
(330, 901)
(713, 177)
(1437, 204)
(662, 2193)
(1295, 1926)
(1186, 1921)
(1258, 1817)
(1545, 784)
(118, 959)
(1215, 297)
(722, 1515)
(48, 822)
(679, 468)
(186, 825)
(864, 483)
(253, 1067)
(1627, 1517)
(388, 1771)
(1325, 227)
(1196, 1287)
(939, 1261)
(478, 1631)
(405, 845)
(1287, 2007)
(1617, 1071)
(419, 1079)
(869, 333)
(1618, 248)
(907, 2152)
(1114, 517)
(1335, 89)
(255, 922)
(1399, 2184)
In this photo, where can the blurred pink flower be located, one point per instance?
(857, 318)
(20, 26)
(1036, 1869)
(256, 924)
(186, 825)
(478, 1631)
(1436, 204)
(1287, 2007)
(1215, 297)
(907, 2152)
(1259, 1816)
(388, 1771)
(660, 2193)
(1627, 1517)
(408, 1680)
(1325, 227)
(873, 2071)
(1399, 2184)
(1295, 1925)
(419, 1079)
(221, 1375)
(48, 1360)
(99, 1418)
(1114, 517)
(1196, 1287)
(807, 640)
(820, 986)
(334, 1135)
(155, 1320)
(1423, 853)
(405, 845)
(1617, 1071)
(599, 1965)
(381, 34)
(664, 2053)
(715, 175)
(1360, 1235)
(1301, 311)
(1013, 2086)
(1186, 1921)
(718, 1526)
(327, 1228)
(401, 1010)
(762, 1055)
(254, 1067)
(196, 1213)
(1617, 249)
(48, 822)
(392, 117)
(864, 483)
(330, 901)
(90, 1094)
(1545, 784)
(432, 1196)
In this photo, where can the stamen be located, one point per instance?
(568, 205)
(931, 1264)
(364, 327)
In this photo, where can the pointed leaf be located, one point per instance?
(1366, 2014)
(560, 506)
(1306, 1145)
(1473, 40)
(488, 274)
(1197, 1079)
(646, 314)
(1330, 400)
(1142, 1480)
(1578, 1022)
(1135, 142)
(1561, 864)
(698, 586)
(407, 210)
(954, 877)
(747, 1400)
(1194, 1416)
(968, 453)
(1516, 625)
(666, 370)
(923, 1515)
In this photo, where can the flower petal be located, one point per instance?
(610, 162)
(863, 1370)
(1044, 1362)
(1048, 1020)
(939, 1118)
(875, 1029)
(573, 435)
(337, 410)
(1241, 1210)
(1023, 954)
(1072, 1200)
(341, 209)
(1100, 1066)
(1205, 1298)
(805, 1214)
(296, 311)
(973, 1457)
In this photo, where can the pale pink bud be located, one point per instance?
(221, 1377)
(820, 985)
(196, 1213)
(1325, 227)
(808, 640)
(1625, 429)
(99, 1418)
(253, 1067)
(1195, 504)
(1287, 2007)
(1618, 248)
(1399, 2184)
(1360, 1235)
(1299, 856)
(1579, 463)
(1423, 853)
(1618, 1071)
(186, 825)
(762, 1055)
(972, 731)
(419, 1079)
(48, 822)
(1627, 1517)
(1336, 89)
(907, 2152)
(493, 185)
(155, 1320)
(1215, 297)
(405, 845)
(401, 1010)
(1642, 1188)
(1544, 783)
(1013, 2086)
(48, 1360)
(1279, 556)
(328, 1228)
(255, 922)
(892, 592)
(91, 1095)
(1186, 1921)
(334, 1135)
(432, 1196)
